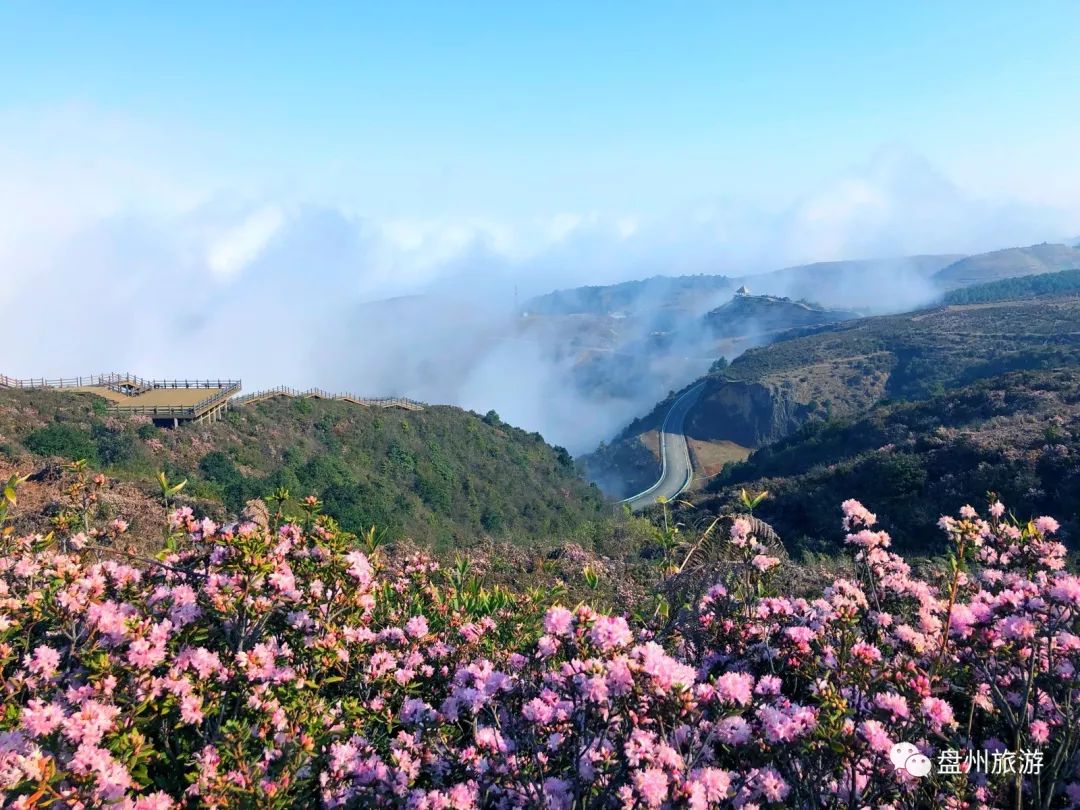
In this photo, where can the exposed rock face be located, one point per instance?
(749, 413)
(623, 468)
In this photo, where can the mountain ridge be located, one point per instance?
(1046, 257)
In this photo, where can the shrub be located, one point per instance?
(61, 439)
(114, 446)
(718, 365)
(282, 667)
(435, 491)
(1054, 434)
(147, 431)
(218, 467)
(563, 456)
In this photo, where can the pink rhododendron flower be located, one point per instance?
(40, 718)
(417, 627)
(735, 687)
(938, 712)
(763, 563)
(558, 621)
(875, 735)
(1047, 525)
(1040, 731)
(43, 661)
(652, 786)
(610, 632)
(359, 567)
(326, 677)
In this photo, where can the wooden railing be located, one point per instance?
(111, 379)
(223, 391)
(227, 390)
(62, 382)
(318, 393)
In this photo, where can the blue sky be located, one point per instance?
(253, 164)
(490, 108)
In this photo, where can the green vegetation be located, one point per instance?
(1017, 435)
(825, 381)
(638, 467)
(65, 440)
(1067, 281)
(923, 350)
(1008, 263)
(441, 476)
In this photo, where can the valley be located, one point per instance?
(840, 374)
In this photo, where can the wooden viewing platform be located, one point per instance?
(168, 401)
(173, 401)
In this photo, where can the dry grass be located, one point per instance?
(651, 439)
(710, 457)
(45, 495)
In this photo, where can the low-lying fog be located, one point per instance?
(444, 311)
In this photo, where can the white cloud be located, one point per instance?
(240, 245)
(109, 232)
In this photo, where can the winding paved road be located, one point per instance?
(676, 472)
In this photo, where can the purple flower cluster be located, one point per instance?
(281, 667)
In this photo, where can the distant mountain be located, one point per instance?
(612, 351)
(852, 284)
(763, 314)
(633, 297)
(1008, 263)
(875, 285)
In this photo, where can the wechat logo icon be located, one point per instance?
(906, 757)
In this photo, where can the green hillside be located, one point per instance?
(1017, 435)
(844, 370)
(1067, 281)
(438, 476)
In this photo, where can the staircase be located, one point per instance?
(318, 393)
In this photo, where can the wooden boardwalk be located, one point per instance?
(173, 401)
(318, 393)
(161, 400)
